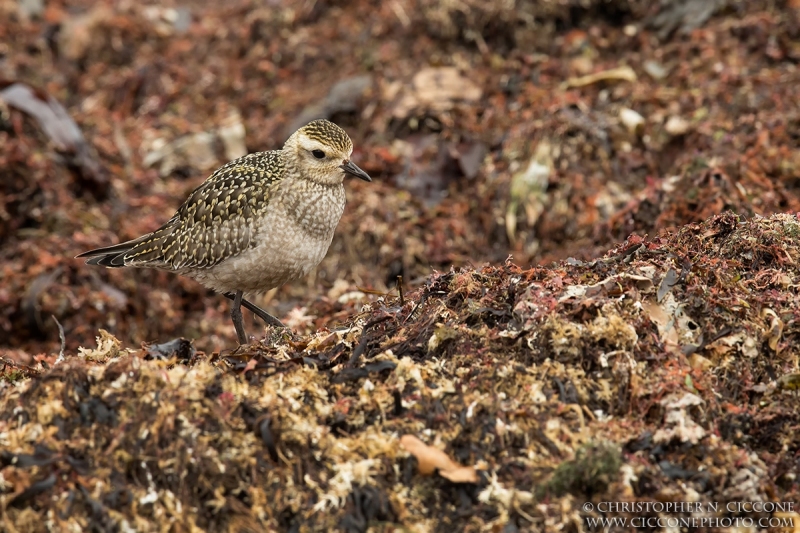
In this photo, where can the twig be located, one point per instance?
(358, 351)
(400, 290)
(60, 358)
(362, 344)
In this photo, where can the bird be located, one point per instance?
(255, 223)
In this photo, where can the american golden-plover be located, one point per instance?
(256, 223)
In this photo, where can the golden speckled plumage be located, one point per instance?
(255, 223)
(216, 220)
(330, 134)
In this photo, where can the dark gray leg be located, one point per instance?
(236, 316)
(260, 313)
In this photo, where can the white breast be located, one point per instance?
(291, 240)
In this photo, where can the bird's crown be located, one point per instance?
(327, 133)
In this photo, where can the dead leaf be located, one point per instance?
(251, 365)
(670, 280)
(775, 328)
(108, 347)
(62, 131)
(744, 343)
(624, 73)
(462, 474)
(434, 89)
(430, 459)
(642, 283)
(698, 362)
(789, 382)
(663, 317)
(678, 422)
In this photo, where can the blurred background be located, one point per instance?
(540, 130)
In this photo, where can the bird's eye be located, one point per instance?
(319, 154)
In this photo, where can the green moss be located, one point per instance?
(595, 465)
(791, 230)
(698, 164)
(12, 376)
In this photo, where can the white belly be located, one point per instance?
(284, 250)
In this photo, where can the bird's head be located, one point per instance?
(321, 152)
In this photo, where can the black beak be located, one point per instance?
(351, 168)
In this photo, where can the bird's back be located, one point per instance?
(216, 222)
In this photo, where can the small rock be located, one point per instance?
(676, 126)
(631, 120)
(77, 33)
(197, 150)
(29, 9)
(469, 156)
(655, 70)
(344, 96)
(167, 20)
(232, 133)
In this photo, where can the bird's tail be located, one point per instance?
(111, 256)
(142, 252)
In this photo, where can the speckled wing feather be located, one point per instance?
(213, 224)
